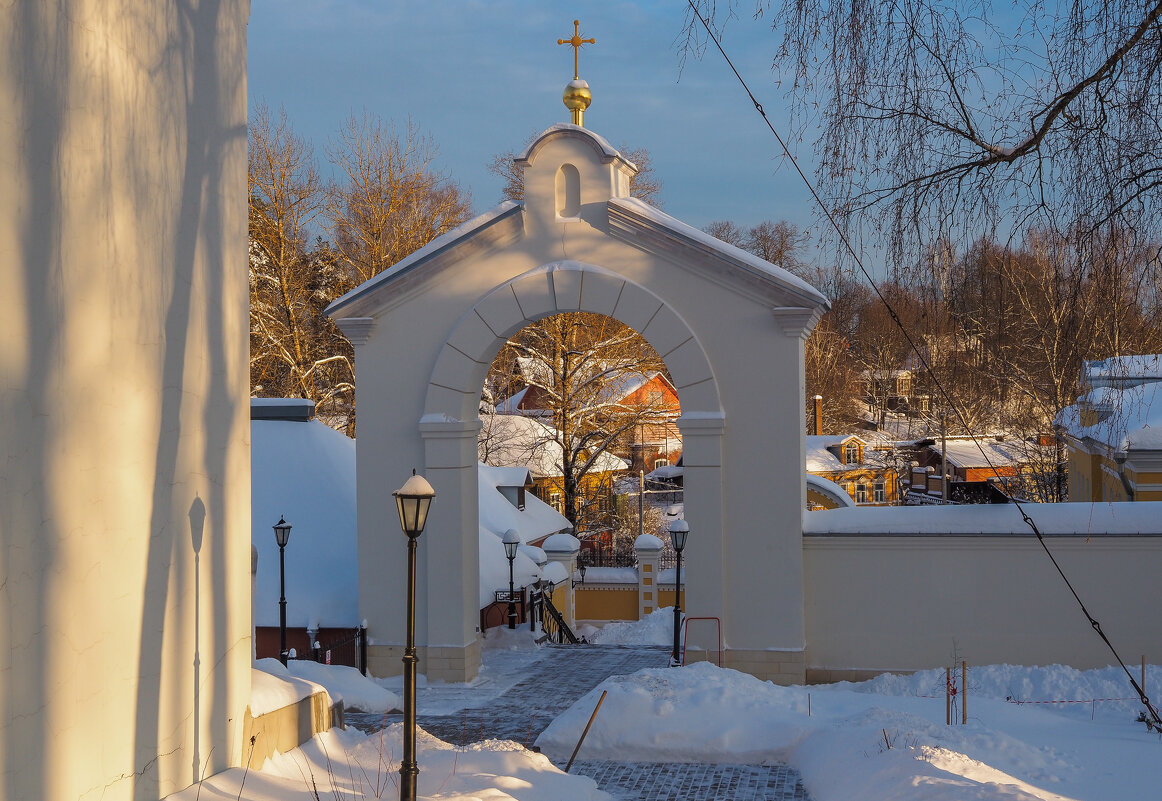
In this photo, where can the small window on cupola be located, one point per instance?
(568, 191)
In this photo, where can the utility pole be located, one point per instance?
(943, 457)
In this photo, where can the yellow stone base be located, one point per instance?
(817, 675)
(781, 667)
(439, 663)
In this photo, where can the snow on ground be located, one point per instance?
(656, 628)
(881, 739)
(350, 765)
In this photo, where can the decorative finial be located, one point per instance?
(577, 96)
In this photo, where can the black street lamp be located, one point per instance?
(679, 530)
(282, 537)
(511, 543)
(412, 501)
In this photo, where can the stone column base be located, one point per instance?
(447, 663)
(781, 667)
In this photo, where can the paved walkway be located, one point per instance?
(549, 685)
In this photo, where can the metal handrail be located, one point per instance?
(555, 625)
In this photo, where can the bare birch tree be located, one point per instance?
(942, 119)
(580, 365)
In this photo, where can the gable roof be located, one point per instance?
(498, 225)
(640, 223)
(821, 459)
(630, 220)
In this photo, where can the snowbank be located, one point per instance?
(350, 764)
(272, 687)
(883, 739)
(656, 628)
(358, 692)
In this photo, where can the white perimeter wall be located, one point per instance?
(124, 432)
(900, 601)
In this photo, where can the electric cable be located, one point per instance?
(1154, 721)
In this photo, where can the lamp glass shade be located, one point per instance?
(282, 532)
(679, 530)
(412, 500)
(511, 543)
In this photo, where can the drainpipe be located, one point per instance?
(1120, 459)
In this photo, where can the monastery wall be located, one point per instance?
(124, 430)
(907, 600)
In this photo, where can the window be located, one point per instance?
(568, 191)
(861, 493)
(520, 498)
(851, 453)
(555, 501)
(661, 463)
(880, 494)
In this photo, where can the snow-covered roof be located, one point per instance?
(601, 144)
(821, 460)
(1131, 418)
(983, 452)
(1122, 370)
(629, 211)
(498, 515)
(513, 440)
(666, 472)
(305, 473)
(1061, 519)
(436, 247)
(831, 490)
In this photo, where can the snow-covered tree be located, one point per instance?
(388, 203)
(577, 372)
(295, 351)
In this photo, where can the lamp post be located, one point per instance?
(679, 530)
(511, 543)
(412, 500)
(282, 531)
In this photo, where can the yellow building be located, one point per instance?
(513, 440)
(1113, 434)
(863, 472)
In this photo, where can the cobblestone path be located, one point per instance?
(551, 684)
(680, 781)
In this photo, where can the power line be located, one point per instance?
(1093, 622)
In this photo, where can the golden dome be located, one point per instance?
(577, 98)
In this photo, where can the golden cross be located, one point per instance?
(576, 43)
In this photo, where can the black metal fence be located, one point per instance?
(341, 648)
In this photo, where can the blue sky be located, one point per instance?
(481, 77)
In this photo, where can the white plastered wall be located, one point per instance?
(877, 603)
(737, 367)
(124, 476)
